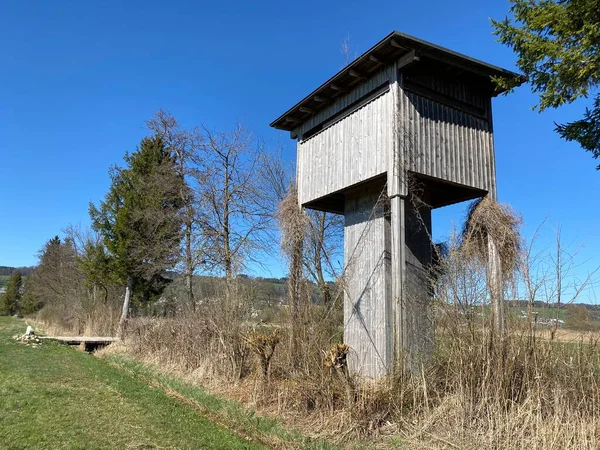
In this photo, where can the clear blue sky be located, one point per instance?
(78, 80)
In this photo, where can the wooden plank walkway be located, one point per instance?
(88, 343)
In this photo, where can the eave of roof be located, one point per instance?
(389, 49)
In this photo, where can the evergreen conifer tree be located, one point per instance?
(140, 221)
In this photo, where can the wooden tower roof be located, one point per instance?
(394, 46)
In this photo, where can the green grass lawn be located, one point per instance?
(234, 415)
(52, 397)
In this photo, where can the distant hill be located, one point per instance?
(540, 304)
(553, 310)
(8, 271)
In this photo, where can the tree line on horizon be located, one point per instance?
(8, 270)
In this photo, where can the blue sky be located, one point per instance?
(79, 79)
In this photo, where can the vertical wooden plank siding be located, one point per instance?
(344, 101)
(368, 318)
(437, 140)
(446, 143)
(351, 150)
(416, 322)
(491, 163)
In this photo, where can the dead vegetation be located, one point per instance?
(486, 218)
(336, 359)
(473, 393)
(476, 391)
(263, 345)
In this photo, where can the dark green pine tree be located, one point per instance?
(30, 301)
(558, 47)
(140, 221)
(94, 262)
(10, 301)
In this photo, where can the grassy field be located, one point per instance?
(52, 397)
(267, 430)
(549, 312)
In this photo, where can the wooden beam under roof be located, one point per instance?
(305, 109)
(355, 74)
(407, 59)
(375, 59)
(395, 43)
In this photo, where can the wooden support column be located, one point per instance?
(411, 247)
(400, 335)
(368, 327)
(411, 258)
(396, 192)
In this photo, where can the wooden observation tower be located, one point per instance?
(405, 128)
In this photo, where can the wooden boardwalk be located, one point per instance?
(87, 343)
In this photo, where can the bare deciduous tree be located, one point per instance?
(92, 259)
(186, 145)
(234, 218)
(325, 233)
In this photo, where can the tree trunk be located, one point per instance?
(94, 293)
(226, 247)
(189, 283)
(126, 303)
(295, 293)
(228, 261)
(226, 231)
(322, 284)
(495, 285)
(189, 258)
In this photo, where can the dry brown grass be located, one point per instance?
(57, 320)
(479, 390)
(475, 392)
(567, 335)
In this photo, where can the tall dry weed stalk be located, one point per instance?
(292, 223)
